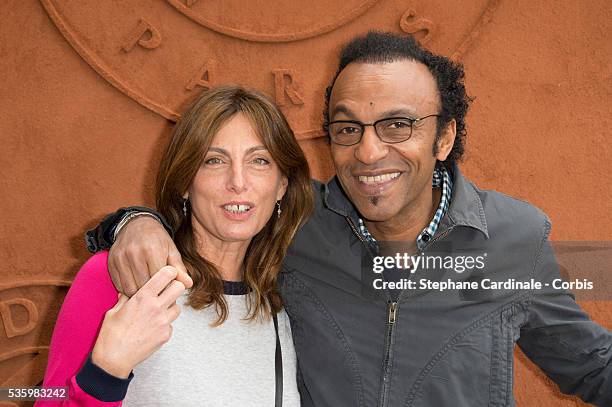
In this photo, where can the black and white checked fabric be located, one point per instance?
(441, 178)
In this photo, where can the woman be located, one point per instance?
(235, 187)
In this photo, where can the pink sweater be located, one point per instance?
(92, 294)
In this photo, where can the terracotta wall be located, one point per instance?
(90, 90)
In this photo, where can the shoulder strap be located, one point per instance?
(278, 367)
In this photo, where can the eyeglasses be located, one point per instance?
(390, 130)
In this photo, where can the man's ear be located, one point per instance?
(446, 140)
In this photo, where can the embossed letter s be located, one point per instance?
(412, 25)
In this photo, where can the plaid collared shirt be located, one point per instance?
(441, 178)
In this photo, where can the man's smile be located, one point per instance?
(376, 182)
(379, 178)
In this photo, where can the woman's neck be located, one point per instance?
(228, 257)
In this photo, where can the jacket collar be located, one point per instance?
(336, 200)
(465, 209)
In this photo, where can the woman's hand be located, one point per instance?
(136, 327)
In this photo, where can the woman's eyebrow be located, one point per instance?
(256, 148)
(249, 151)
(218, 150)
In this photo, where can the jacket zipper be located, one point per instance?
(354, 228)
(391, 318)
(440, 236)
(386, 379)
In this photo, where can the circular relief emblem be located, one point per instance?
(271, 20)
(161, 54)
(28, 311)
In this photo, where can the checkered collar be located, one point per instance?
(441, 179)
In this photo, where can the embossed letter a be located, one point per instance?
(203, 77)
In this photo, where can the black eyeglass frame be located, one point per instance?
(411, 120)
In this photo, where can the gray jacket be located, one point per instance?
(358, 346)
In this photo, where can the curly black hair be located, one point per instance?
(383, 47)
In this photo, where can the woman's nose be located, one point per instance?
(237, 180)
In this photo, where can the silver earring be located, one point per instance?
(278, 211)
(185, 207)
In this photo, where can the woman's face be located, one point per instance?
(235, 190)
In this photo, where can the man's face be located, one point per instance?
(384, 180)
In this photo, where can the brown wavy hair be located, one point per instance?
(191, 139)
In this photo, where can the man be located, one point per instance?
(395, 116)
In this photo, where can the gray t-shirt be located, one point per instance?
(229, 365)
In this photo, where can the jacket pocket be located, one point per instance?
(459, 374)
(506, 331)
(474, 368)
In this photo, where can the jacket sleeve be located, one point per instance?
(75, 333)
(101, 237)
(560, 337)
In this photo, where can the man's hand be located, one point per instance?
(136, 327)
(142, 248)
